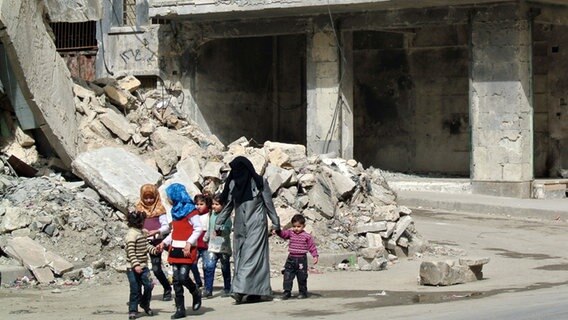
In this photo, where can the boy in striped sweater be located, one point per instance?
(300, 243)
(137, 249)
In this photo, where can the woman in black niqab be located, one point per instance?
(248, 194)
(242, 173)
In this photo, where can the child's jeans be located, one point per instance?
(139, 281)
(182, 279)
(195, 268)
(296, 266)
(210, 263)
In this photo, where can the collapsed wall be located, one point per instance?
(41, 73)
(130, 137)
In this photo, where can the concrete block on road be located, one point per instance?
(9, 274)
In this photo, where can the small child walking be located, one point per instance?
(300, 243)
(219, 249)
(202, 204)
(137, 249)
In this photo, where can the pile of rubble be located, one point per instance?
(74, 233)
(130, 138)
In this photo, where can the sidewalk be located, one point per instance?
(547, 209)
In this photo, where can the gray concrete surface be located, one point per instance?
(526, 278)
(546, 209)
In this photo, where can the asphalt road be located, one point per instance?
(527, 278)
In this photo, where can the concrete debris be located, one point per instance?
(129, 83)
(65, 226)
(166, 158)
(117, 95)
(14, 218)
(116, 174)
(450, 272)
(351, 211)
(117, 124)
(24, 139)
(37, 259)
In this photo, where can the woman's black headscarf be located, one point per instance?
(242, 172)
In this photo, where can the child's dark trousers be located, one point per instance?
(296, 266)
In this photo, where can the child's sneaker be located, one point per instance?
(302, 296)
(132, 315)
(207, 294)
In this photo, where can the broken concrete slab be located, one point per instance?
(212, 169)
(166, 158)
(374, 240)
(37, 259)
(386, 213)
(404, 211)
(41, 73)
(373, 264)
(343, 185)
(296, 152)
(100, 130)
(320, 199)
(163, 136)
(444, 273)
(117, 124)
(24, 139)
(147, 128)
(278, 158)
(129, 83)
(74, 11)
(373, 252)
(370, 227)
(470, 262)
(14, 218)
(82, 92)
(382, 195)
(116, 173)
(276, 177)
(9, 274)
(390, 229)
(400, 227)
(307, 180)
(475, 265)
(118, 96)
(191, 168)
(241, 142)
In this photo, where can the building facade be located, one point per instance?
(466, 88)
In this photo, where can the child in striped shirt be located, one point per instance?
(300, 243)
(137, 249)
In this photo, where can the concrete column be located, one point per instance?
(323, 115)
(501, 102)
(346, 90)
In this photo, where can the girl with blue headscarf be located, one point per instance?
(186, 229)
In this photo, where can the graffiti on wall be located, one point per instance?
(136, 55)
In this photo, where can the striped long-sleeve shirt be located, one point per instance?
(137, 248)
(300, 243)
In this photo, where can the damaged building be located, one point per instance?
(452, 88)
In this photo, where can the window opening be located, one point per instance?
(75, 36)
